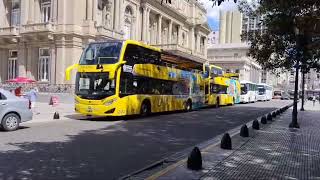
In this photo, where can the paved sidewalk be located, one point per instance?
(274, 152)
(44, 112)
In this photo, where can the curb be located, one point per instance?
(181, 157)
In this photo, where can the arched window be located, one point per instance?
(128, 23)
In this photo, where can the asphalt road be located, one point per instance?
(83, 149)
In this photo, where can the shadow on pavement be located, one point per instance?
(112, 152)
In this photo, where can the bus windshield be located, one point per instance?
(94, 86)
(101, 53)
(261, 90)
(244, 89)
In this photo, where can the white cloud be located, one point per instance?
(213, 11)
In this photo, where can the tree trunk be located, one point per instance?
(302, 95)
(294, 122)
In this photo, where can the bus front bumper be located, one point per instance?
(98, 110)
(261, 98)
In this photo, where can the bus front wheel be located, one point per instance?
(217, 103)
(145, 108)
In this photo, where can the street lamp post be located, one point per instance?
(303, 86)
(294, 122)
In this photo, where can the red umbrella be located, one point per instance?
(21, 80)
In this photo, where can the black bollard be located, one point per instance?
(244, 131)
(269, 117)
(263, 120)
(255, 125)
(274, 114)
(278, 112)
(226, 142)
(195, 159)
(56, 115)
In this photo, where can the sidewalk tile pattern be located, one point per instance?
(276, 153)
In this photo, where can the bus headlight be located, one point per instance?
(109, 102)
(76, 101)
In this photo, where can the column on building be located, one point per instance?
(143, 24)
(3, 64)
(198, 42)
(94, 10)
(24, 12)
(223, 25)
(121, 15)
(54, 11)
(192, 40)
(229, 27)
(22, 63)
(179, 35)
(159, 29)
(89, 9)
(170, 32)
(117, 15)
(37, 13)
(31, 12)
(205, 47)
(52, 62)
(148, 40)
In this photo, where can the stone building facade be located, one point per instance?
(231, 52)
(233, 58)
(39, 39)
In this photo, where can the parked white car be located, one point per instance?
(13, 110)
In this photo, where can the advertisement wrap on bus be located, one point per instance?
(119, 78)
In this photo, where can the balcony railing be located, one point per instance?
(38, 27)
(9, 31)
(174, 47)
(103, 31)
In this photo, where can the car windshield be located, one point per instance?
(94, 85)
(101, 53)
(277, 93)
(244, 89)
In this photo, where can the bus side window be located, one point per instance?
(127, 84)
(150, 57)
(132, 55)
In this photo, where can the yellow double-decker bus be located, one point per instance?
(119, 78)
(217, 87)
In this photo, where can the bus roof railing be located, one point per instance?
(180, 60)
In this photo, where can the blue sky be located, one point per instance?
(213, 11)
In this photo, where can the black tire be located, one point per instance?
(145, 109)
(188, 106)
(10, 122)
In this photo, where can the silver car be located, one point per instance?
(13, 110)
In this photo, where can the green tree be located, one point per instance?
(289, 38)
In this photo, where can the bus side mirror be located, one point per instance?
(68, 71)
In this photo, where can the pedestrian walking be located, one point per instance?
(314, 99)
(32, 95)
(18, 91)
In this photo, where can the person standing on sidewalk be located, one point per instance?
(32, 96)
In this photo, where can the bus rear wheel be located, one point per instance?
(145, 109)
(188, 106)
